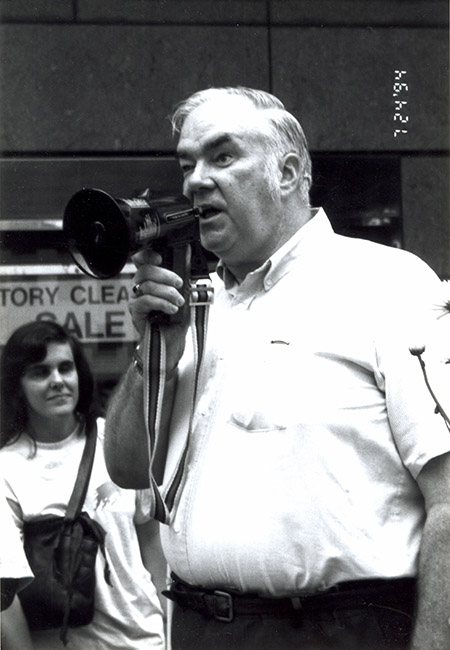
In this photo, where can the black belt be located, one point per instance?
(225, 605)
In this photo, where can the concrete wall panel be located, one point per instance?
(360, 12)
(426, 209)
(340, 82)
(110, 88)
(197, 12)
(37, 11)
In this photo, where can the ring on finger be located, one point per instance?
(137, 291)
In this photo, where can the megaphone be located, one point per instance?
(102, 231)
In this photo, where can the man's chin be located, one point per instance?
(213, 240)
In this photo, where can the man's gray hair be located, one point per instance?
(288, 134)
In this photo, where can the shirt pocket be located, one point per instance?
(263, 389)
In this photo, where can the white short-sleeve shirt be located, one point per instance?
(312, 422)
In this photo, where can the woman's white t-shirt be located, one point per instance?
(39, 481)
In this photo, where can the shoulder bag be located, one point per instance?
(62, 552)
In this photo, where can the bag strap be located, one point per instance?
(84, 472)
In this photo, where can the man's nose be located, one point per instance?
(198, 180)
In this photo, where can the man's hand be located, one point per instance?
(159, 290)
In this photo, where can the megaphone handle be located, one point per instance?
(175, 259)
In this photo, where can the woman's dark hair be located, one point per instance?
(28, 344)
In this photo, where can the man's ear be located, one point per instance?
(291, 172)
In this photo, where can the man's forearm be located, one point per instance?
(126, 443)
(432, 630)
(126, 452)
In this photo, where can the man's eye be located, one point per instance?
(186, 169)
(223, 158)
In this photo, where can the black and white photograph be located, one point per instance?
(225, 324)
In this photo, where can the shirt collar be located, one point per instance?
(280, 262)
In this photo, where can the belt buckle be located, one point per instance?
(228, 617)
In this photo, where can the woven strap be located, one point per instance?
(84, 472)
(154, 374)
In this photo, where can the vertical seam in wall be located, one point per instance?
(269, 43)
(74, 11)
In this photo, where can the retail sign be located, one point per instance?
(96, 311)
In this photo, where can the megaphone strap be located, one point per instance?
(154, 378)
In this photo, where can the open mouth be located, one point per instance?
(207, 212)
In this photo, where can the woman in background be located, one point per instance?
(46, 404)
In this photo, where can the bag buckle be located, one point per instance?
(201, 292)
(223, 608)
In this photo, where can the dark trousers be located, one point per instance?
(357, 629)
(359, 624)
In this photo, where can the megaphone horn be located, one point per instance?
(102, 231)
